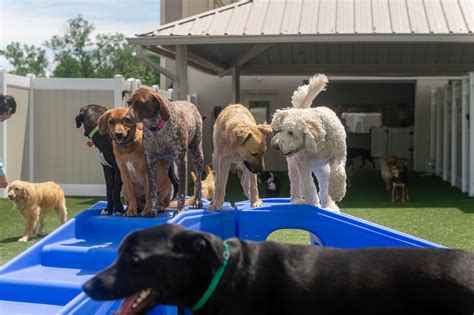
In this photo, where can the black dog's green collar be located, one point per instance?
(214, 282)
(93, 132)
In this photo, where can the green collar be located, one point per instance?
(214, 282)
(93, 132)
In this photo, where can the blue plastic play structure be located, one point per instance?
(47, 278)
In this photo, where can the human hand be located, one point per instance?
(3, 181)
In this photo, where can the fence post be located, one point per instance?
(31, 126)
(118, 89)
(471, 134)
(3, 128)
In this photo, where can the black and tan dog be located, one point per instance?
(89, 117)
(399, 182)
(170, 265)
(170, 131)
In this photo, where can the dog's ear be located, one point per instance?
(79, 119)
(103, 127)
(209, 169)
(265, 129)
(241, 134)
(203, 246)
(314, 133)
(161, 105)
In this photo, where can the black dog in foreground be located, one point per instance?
(89, 117)
(170, 265)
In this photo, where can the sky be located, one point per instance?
(35, 21)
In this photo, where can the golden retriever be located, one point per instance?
(127, 145)
(238, 139)
(34, 201)
(208, 187)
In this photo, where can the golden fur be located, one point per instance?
(238, 139)
(385, 166)
(34, 201)
(131, 161)
(208, 187)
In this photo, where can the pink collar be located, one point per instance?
(157, 127)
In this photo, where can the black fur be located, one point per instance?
(272, 184)
(275, 278)
(88, 117)
(364, 154)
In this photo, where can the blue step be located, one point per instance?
(27, 308)
(79, 253)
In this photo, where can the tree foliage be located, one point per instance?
(77, 54)
(26, 59)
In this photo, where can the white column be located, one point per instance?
(3, 129)
(454, 132)
(471, 134)
(118, 90)
(236, 83)
(465, 134)
(181, 72)
(31, 127)
(446, 132)
(433, 125)
(439, 131)
(180, 92)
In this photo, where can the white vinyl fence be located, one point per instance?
(41, 143)
(452, 133)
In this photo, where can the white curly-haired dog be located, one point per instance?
(313, 140)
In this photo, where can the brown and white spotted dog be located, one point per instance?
(170, 129)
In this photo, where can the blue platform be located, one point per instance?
(47, 278)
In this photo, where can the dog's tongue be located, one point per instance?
(126, 307)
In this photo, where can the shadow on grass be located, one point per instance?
(14, 239)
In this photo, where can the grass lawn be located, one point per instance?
(437, 212)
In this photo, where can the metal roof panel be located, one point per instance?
(435, 15)
(399, 16)
(454, 16)
(345, 17)
(327, 17)
(381, 17)
(363, 17)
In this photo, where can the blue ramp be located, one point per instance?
(47, 278)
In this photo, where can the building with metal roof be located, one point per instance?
(396, 51)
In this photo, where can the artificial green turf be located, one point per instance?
(437, 212)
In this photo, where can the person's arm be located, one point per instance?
(3, 177)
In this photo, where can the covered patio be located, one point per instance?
(351, 41)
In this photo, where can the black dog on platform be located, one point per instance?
(272, 184)
(364, 154)
(170, 265)
(89, 117)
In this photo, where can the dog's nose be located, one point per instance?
(118, 135)
(276, 147)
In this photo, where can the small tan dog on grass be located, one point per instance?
(34, 202)
(238, 139)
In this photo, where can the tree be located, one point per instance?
(26, 59)
(77, 55)
(72, 50)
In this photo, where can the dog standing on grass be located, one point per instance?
(34, 201)
(170, 130)
(399, 182)
(238, 139)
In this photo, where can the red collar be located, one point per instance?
(157, 127)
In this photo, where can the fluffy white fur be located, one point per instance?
(313, 141)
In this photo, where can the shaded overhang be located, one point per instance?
(263, 37)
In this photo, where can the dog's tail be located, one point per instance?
(304, 95)
(337, 181)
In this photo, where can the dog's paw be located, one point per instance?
(23, 239)
(178, 212)
(297, 201)
(257, 204)
(106, 211)
(197, 204)
(131, 213)
(215, 206)
(149, 213)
